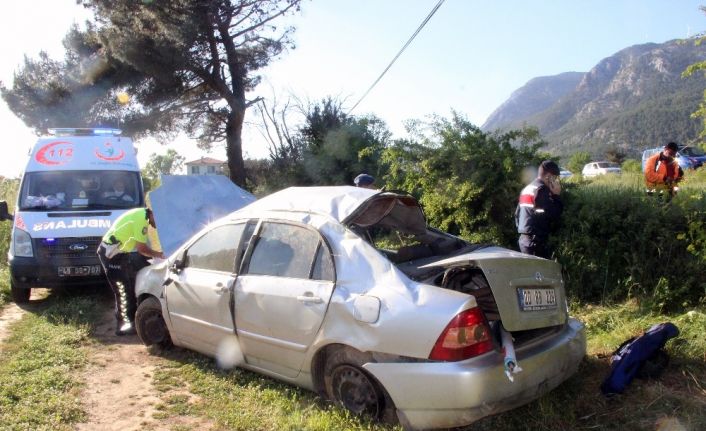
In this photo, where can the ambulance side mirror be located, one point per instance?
(4, 213)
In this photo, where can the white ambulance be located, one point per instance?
(76, 183)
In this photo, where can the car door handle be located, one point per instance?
(222, 288)
(309, 299)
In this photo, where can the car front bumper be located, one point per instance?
(451, 394)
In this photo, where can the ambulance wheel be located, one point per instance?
(19, 295)
(150, 325)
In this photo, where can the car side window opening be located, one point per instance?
(286, 250)
(216, 250)
(323, 265)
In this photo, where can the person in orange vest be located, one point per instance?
(662, 172)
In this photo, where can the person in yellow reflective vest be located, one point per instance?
(127, 235)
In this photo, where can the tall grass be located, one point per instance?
(8, 193)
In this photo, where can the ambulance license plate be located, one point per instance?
(79, 271)
(534, 299)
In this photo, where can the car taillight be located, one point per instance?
(466, 336)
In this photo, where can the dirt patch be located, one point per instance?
(8, 315)
(119, 394)
(12, 312)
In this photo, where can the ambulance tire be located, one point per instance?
(19, 295)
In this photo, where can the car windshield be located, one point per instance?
(80, 190)
(691, 152)
(607, 165)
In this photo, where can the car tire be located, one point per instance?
(19, 294)
(150, 324)
(351, 387)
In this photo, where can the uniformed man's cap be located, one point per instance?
(363, 180)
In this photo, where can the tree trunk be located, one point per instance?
(234, 147)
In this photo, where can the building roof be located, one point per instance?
(206, 161)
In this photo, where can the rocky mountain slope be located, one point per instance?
(632, 100)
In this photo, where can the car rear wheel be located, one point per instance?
(19, 295)
(351, 387)
(150, 324)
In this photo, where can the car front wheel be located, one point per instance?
(150, 325)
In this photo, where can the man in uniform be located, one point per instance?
(127, 234)
(538, 209)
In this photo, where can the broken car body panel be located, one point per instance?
(208, 197)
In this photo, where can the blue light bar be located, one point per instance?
(99, 131)
(112, 132)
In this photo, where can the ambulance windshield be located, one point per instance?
(80, 190)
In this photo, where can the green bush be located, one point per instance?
(616, 242)
(632, 166)
(8, 193)
(467, 180)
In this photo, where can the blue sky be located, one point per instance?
(470, 57)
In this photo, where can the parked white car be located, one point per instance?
(600, 168)
(346, 291)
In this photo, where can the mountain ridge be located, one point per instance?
(629, 101)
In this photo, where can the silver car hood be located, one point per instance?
(506, 272)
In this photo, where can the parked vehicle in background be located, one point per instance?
(346, 291)
(565, 173)
(688, 157)
(594, 169)
(76, 183)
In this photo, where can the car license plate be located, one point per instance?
(79, 271)
(533, 299)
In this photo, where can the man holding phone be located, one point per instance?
(538, 210)
(662, 171)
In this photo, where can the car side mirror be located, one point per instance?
(179, 263)
(4, 213)
(177, 266)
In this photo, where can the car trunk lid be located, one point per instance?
(528, 291)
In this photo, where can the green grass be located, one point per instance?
(241, 400)
(39, 388)
(679, 394)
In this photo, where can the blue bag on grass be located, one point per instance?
(634, 354)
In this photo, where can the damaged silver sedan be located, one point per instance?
(347, 292)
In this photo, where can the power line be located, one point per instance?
(421, 26)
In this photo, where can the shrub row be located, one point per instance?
(615, 242)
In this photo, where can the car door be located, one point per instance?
(200, 294)
(281, 296)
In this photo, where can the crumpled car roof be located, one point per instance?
(338, 202)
